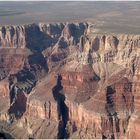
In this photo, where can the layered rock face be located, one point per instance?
(63, 81)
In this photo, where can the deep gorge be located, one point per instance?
(61, 80)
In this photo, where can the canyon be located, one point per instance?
(62, 80)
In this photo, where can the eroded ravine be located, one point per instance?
(62, 108)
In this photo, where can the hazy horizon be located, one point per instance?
(111, 16)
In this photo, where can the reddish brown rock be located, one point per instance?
(97, 95)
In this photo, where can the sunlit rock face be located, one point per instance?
(61, 80)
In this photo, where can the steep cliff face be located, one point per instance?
(12, 36)
(97, 95)
(37, 37)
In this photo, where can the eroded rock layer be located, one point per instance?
(63, 81)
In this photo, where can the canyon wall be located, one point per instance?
(63, 81)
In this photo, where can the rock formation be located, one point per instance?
(63, 81)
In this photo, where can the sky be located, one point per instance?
(68, 0)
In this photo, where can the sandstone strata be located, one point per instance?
(97, 95)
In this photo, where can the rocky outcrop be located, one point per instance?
(12, 36)
(97, 95)
(37, 37)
